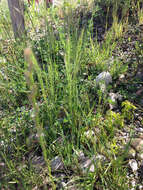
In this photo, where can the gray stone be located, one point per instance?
(115, 96)
(113, 100)
(141, 136)
(136, 149)
(140, 187)
(133, 182)
(131, 153)
(140, 156)
(80, 155)
(103, 80)
(71, 185)
(57, 164)
(21, 167)
(133, 164)
(137, 144)
(122, 76)
(90, 135)
(139, 75)
(38, 163)
(104, 77)
(91, 163)
(38, 160)
(139, 129)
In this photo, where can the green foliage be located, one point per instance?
(13, 84)
(5, 25)
(128, 109)
(115, 119)
(140, 13)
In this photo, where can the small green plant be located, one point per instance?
(140, 13)
(117, 68)
(115, 118)
(118, 26)
(114, 147)
(113, 121)
(128, 110)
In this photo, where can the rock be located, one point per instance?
(90, 135)
(38, 163)
(113, 97)
(131, 153)
(136, 149)
(141, 136)
(137, 144)
(90, 163)
(139, 129)
(122, 76)
(104, 77)
(57, 164)
(103, 80)
(38, 160)
(139, 75)
(80, 155)
(140, 187)
(21, 167)
(134, 165)
(133, 182)
(2, 164)
(112, 100)
(70, 185)
(140, 156)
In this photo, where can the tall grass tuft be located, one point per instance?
(33, 66)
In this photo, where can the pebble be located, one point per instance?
(113, 99)
(137, 144)
(140, 156)
(57, 164)
(80, 155)
(89, 165)
(131, 153)
(122, 76)
(90, 135)
(38, 163)
(103, 79)
(133, 164)
(140, 187)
